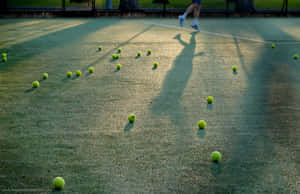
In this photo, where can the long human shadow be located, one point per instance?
(168, 101)
(253, 145)
(55, 39)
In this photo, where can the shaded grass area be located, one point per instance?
(261, 4)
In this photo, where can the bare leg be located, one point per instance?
(191, 8)
(188, 10)
(196, 16)
(197, 11)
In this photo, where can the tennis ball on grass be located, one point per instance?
(201, 124)
(4, 59)
(119, 66)
(273, 46)
(115, 56)
(131, 118)
(69, 74)
(149, 52)
(4, 55)
(296, 56)
(210, 99)
(35, 84)
(91, 70)
(155, 65)
(58, 183)
(139, 54)
(45, 75)
(234, 68)
(78, 73)
(119, 50)
(216, 156)
(100, 48)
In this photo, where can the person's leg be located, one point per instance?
(188, 10)
(196, 16)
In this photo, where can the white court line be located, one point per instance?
(220, 34)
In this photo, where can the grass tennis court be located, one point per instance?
(77, 127)
(260, 4)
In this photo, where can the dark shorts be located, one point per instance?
(197, 1)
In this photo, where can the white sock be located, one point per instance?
(195, 21)
(184, 15)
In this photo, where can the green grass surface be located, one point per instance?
(148, 3)
(77, 128)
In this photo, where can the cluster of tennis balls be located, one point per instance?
(36, 83)
(215, 156)
(78, 72)
(4, 57)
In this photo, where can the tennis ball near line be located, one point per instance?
(100, 48)
(210, 99)
(119, 66)
(149, 52)
(69, 74)
(4, 55)
(78, 73)
(91, 70)
(296, 56)
(131, 118)
(216, 156)
(45, 76)
(58, 183)
(35, 84)
(139, 54)
(273, 46)
(119, 50)
(4, 59)
(155, 65)
(234, 68)
(201, 124)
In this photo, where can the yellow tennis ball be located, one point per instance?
(201, 124)
(58, 183)
(216, 156)
(35, 84)
(78, 73)
(210, 99)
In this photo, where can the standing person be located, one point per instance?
(195, 8)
